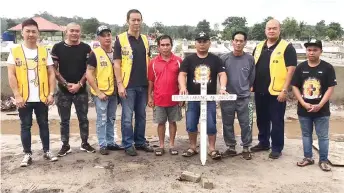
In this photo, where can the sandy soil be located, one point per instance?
(118, 173)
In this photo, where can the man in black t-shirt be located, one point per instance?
(70, 58)
(313, 84)
(189, 82)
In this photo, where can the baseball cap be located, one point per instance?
(316, 43)
(202, 36)
(102, 28)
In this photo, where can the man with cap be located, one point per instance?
(189, 83)
(313, 84)
(101, 78)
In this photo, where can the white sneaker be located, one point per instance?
(49, 156)
(26, 161)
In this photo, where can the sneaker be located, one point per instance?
(114, 147)
(87, 147)
(246, 154)
(230, 152)
(145, 147)
(49, 156)
(275, 155)
(131, 151)
(64, 150)
(27, 160)
(103, 151)
(260, 147)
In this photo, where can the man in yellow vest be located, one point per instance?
(275, 61)
(131, 57)
(32, 80)
(101, 78)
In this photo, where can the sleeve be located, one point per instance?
(296, 80)
(220, 65)
(290, 56)
(10, 59)
(54, 53)
(331, 78)
(184, 65)
(151, 76)
(117, 55)
(92, 60)
(253, 71)
(50, 61)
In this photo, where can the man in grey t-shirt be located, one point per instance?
(240, 69)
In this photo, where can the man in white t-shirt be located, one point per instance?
(32, 80)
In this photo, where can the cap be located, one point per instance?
(202, 36)
(102, 28)
(316, 43)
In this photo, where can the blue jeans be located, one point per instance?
(25, 115)
(106, 116)
(321, 125)
(135, 101)
(270, 121)
(193, 115)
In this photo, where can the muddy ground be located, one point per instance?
(118, 173)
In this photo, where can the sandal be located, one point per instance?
(324, 166)
(173, 151)
(247, 155)
(305, 162)
(159, 151)
(190, 152)
(215, 154)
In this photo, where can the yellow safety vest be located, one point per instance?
(104, 73)
(127, 56)
(22, 72)
(278, 69)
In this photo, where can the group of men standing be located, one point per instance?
(125, 74)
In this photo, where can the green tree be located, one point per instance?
(203, 26)
(90, 26)
(10, 23)
(290, 28)
(331, 33)
(320, 29)
(233, 24)
(257, 32)
(334, 26)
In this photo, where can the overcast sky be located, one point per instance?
(180, 12)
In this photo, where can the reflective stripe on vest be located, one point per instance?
(278, 69)
(22, 72)
(127, 56)
(104, 73)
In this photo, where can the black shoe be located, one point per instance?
(104, 151)
(145, 147)
(64, 150)
(131, 151)
(87, 147)
(230, 152)
(114, 147)
(275, 155)
(260, 147)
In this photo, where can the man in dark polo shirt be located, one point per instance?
(70, 58)
(275, 61)
(131, 58)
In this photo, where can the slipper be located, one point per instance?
(159, 151)
(215, 154)
(305, 162)
(324, 166)
(190, 152)
(173, 151)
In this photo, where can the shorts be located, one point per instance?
(162, 114)
(193, 115)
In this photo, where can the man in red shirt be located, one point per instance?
(163, 73)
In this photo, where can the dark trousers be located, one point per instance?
(25, 115)
(270, 121)
(64, 102)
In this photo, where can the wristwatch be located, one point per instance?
(284, 91)
(223, 88)
(65, 84)
(80, 84)
(51, 94)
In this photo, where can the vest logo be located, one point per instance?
(278, 53)
(102, 61)
(43, 59)
(18, 62)
(275, 61)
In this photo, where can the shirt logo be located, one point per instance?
(320, 72)
(18, 62)
(102, 61)
(305, 72)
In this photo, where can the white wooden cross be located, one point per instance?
(203, 98)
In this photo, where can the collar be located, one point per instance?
(273, 46)
(159, 57)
